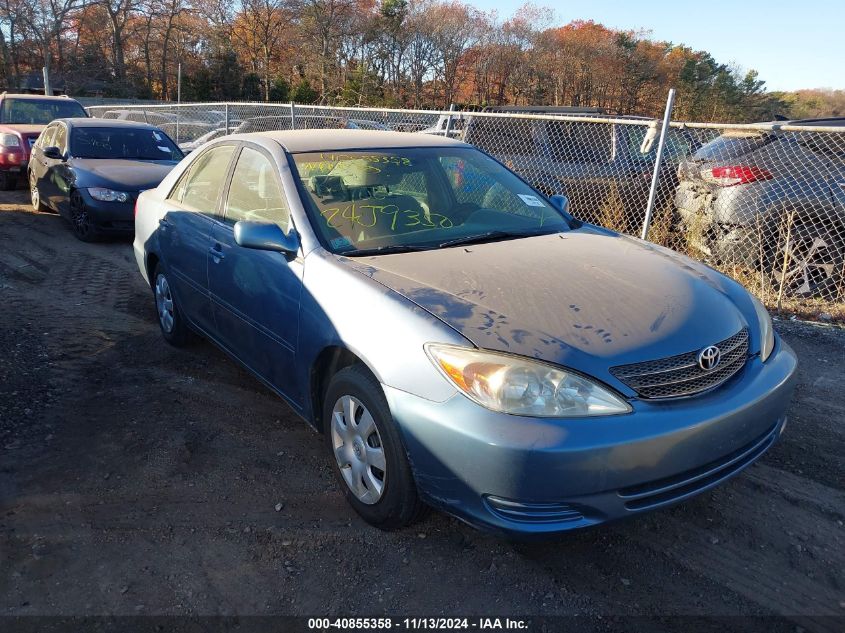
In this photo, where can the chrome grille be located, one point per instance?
(680, 375)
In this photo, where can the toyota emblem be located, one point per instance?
(709, 357)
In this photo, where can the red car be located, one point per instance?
(22, 117)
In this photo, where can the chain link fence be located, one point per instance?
(764, 203)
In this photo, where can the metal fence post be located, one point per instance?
(292, 116)
(655, 177)
(449, 121)
(226, 110)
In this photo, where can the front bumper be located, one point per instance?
(111, 217)
(519, 475)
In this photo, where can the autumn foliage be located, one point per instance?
(414, 53)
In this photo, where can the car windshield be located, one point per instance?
(126, 143)
(387, 200)
(39, 111)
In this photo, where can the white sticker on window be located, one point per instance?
(531, 201)
(164, 149)
(157, 136)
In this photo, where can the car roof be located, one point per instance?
(545, 109)
(827, 122)
(327, 140)
(31, 97)
(287, 117)
(92, 122)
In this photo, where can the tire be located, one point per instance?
(8, 181)
(814, 254)
(355, 450)
(80, 219)
(173, 326)
(35, 195)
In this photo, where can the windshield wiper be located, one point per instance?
(385, 250)
(489, 236)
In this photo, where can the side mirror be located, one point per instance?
(266, 236)
(54, 153)
(561, 203)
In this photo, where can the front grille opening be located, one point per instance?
(681, 375)
(532, 512)
(666, 490)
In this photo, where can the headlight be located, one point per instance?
(767, 332)
(9, 140)
(522, 386)
(108, 195)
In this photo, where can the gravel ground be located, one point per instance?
(138, 479)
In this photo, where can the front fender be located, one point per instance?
(345, 308)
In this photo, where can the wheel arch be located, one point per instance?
(327, 363)
(152, 260)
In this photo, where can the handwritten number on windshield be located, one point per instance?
(367, 216)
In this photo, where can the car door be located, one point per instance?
(185, 231)
(255, 294)
(59, 172)
(38, 164)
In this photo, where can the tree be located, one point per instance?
(325, 23)
(119, 12)
(259, 29)
(456, 25)
(47, 20)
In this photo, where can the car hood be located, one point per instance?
(122, 175)
(587, 299)
(24, 128)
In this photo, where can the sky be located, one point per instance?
(800, 44)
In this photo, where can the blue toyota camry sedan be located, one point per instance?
(458, 338)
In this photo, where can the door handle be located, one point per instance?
(216, 253)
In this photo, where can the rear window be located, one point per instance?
(676, 145)
(580, 142)
(500, 136)
(39, 111)
(732, 146)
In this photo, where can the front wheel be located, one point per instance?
(367, 452)
(80, 219)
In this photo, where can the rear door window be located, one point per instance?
(200, 188)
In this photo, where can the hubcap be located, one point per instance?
(358, 449)
(35, 196)
(164, 303)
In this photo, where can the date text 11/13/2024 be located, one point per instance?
(419, 623)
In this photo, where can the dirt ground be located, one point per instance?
(138, 479)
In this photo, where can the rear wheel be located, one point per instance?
(808, 260)
(35, 195)
(80, 219)
(173, 326)
(367, 452)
